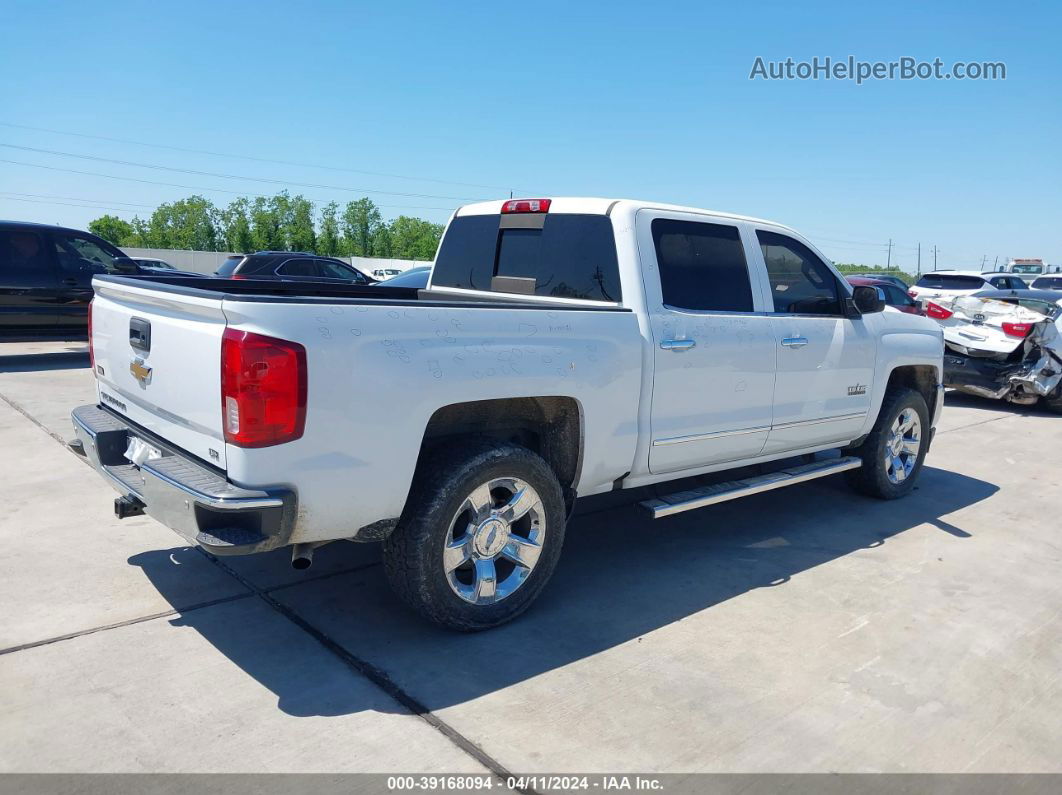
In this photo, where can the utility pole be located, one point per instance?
(983, 260)
(919, 258)
(995, 264)
(934, 256)
(888, 263)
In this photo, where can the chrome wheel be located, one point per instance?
(902, 446)
(494, 541)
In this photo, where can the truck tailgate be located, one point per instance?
(158, 363)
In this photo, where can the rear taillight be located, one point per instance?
(263, 389)
(912, 293)
(1017, 329)
(937, 311)
(526, 206)
(92, 353)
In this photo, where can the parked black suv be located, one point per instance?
(292, 266)
(46, 275)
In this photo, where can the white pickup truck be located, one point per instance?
(562, 348)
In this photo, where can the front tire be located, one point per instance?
(480, 535)
(894, 451)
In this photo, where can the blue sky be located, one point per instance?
(614, 99)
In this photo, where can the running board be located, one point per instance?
(659, 507)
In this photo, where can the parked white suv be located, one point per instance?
(562, 348)
(949, 284)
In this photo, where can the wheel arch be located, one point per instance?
(922, 378)
(550, 426)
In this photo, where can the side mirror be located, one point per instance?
(126, 265)
(869, 299)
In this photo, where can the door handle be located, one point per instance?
(677, 345)
(70, 282)
(794, 342)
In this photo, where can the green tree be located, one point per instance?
(266, 232)
(329, 242)
(236, 226)
(414, 238)
(139, 236)
(184, 224)
(361, 219)
(381, 242)
(298, 230)
(111, 228)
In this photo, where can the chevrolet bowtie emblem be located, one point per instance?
(140, 372)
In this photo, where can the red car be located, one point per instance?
(894, 296)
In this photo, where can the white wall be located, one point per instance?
(208, 261)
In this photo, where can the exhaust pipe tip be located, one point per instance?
(302, 556)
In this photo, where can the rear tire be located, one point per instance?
(896, 447)
(480, 535)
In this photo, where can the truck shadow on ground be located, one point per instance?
(621, 576)
(73, 358)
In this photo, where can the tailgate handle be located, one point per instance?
(140, 334)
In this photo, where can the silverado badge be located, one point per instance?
(140, 371)
(858, 389)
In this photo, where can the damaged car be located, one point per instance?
(1003, 344)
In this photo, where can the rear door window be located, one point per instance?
(702, 266)
(571, 256)
(801, 283)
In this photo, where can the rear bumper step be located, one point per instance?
(191, 499)
(691, 499)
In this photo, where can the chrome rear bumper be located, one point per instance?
(199, 503)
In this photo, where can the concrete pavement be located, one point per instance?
(803, 630)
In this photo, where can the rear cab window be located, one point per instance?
(570, 256)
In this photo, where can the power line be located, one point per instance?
(813, 237)
(12, 194)
(251, 158)
(195, 187)
(196, 172)
(68, 204)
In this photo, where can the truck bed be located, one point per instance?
(297, 292)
